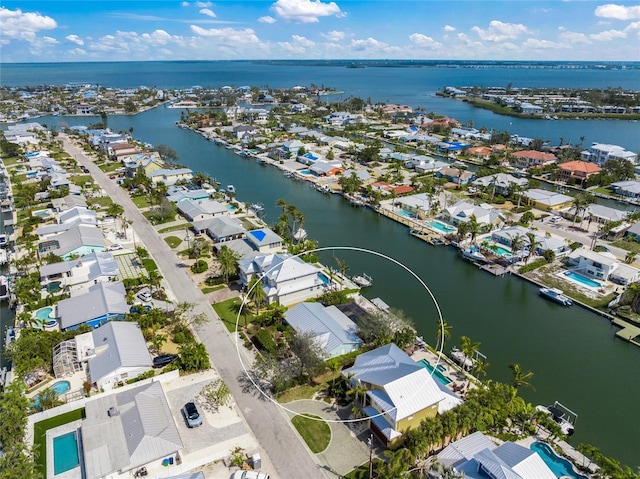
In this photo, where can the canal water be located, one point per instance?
(572, 352)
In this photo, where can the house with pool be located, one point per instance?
(68, 219)
(221, 228)
(599, 265)
(477, 457)
(329, 327)
(80, 239)
(505, 237)
(400, 392)
(199, 210)
(418, 205)
(462, 211)
(81, 272)
(170, 176)
(95, 306)
(128, 430)
(285, 279)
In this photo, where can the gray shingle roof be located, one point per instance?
(101, 299)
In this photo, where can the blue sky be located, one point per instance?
(92, 30)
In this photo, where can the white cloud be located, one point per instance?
(368, 44)
(334, 36)
(539, 44)
(619, 12)
(423, 41)
(23, 26)
(305, 11)
(158, 37)
(607, 35)
(574, 37)
(449, 28)
(303, 41)
(185, 4)
(203, 4)
(499, 31)
(267, 19)
(208, 12)
(75, 39)
(229, 35)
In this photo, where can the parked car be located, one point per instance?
(145, 296)
(163, 360)
(249, 475)
(114, 247)
(191, 415)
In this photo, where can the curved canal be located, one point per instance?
(572, 352)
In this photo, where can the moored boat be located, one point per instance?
(562, 415)
(556, 295)
(300, 235)
(474, 255)
(461, 358)
(363, 280)
(4, 287)
(4, 257)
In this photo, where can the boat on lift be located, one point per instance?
(363, 280)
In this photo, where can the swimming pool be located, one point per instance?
(231, 208)
(579, 278)
(405, 213)
(437, 374)
(441, 227)
(60, 388)
(501, 250)
(305, 172)
(559, 466)
(44, 314)
(54, 286)
(65, 453)
(323, 277)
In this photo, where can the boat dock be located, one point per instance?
(629, 332)
(429, 236)
(495, 269)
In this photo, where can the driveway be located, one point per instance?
(287, 454)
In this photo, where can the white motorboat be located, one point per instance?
(363, 280)
(300, 235)
(563, 416)
(231, 188)
(474, 255)
(4, 257)
(4, 287)
(461, 358)
(257, 207)
(556, 295)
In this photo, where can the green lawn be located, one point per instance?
(40, 435)
(173, 241)
(211, 289)
(315, 432)
(109, 167)
(10, 161)
(149, 264)
(81, 179)
(299, 392)
(140, 201)
(630, 245)
(102, 201)
(179, 227)
(228, 312)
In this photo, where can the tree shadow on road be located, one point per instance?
(248, 381)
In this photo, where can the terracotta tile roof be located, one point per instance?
(534, 155)
(583, 166)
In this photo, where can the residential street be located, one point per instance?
(287, 456)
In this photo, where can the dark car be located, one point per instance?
(163, 360)
(191, 415)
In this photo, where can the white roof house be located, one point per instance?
(127, 430)
(87, 270)
(414, 203)
(285, 279)
(170, 176)
(265, 240)
(505, 236)
(198, 210)
(593, 263)
(80, 239)
(599, 213)
(501, 181)
(100, 303)
(600, 153)
(462, 211)
(220, 228)
(116, 351)
(330, 328)
(630, 188)
(400, 392)
(477, 457)
(547, 200)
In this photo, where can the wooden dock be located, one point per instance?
(495, 269)
(629, 332)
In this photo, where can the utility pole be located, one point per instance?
(370, 442)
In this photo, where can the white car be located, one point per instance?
(249, 475)
(145, 296)
(114, 247)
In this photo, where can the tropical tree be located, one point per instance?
(255, 293)
(630, 257)
(534, 244)
(443, 333)
(47, 399)
(228, 260)
(520, 377)
(469, 348)
(517, 243)
(193, 357)
(116, 211)
(474, 227)
(157, 340)
(343, 267)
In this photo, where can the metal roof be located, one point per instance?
(101, 299)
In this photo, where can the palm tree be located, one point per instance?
(630, 257)
(47, 399)
(474, 227)
(469, 348)
(255, 292)
(116, 211)
(153, 279)
(520, 377)
(343, 267)
(357, 388)
(517, 242)
(228, 260)
(533, 245)
(443, 333)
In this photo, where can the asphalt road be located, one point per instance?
(284, 449)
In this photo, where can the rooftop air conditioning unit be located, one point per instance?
(113, 411)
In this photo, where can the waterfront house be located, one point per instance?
(532, 159)
(240, 131)
(500, 183)
(291, 147)
(114, 352)
(326, 168)
(461, 212)
(362, 175)
(128, 430)
(285, 279)
(201, 209)
(146, 163)
(547, 200)
(68, 219)
(593, 263)
(120, 150)
(265, 240)
(95, 306)
(506, 235)
(81, 272)
(624, 274)
(329, 328)
(221, 228)
(477, 457)
(600, 153)
(480, 152)
(598, 213)
(527, 108)
(577, 171)
(634, 232)
(628, 189)
(309, 158)
(176, 194)
(170, 176)
(418, 205)
(400, 393)
(455, 175)
(80, 239)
